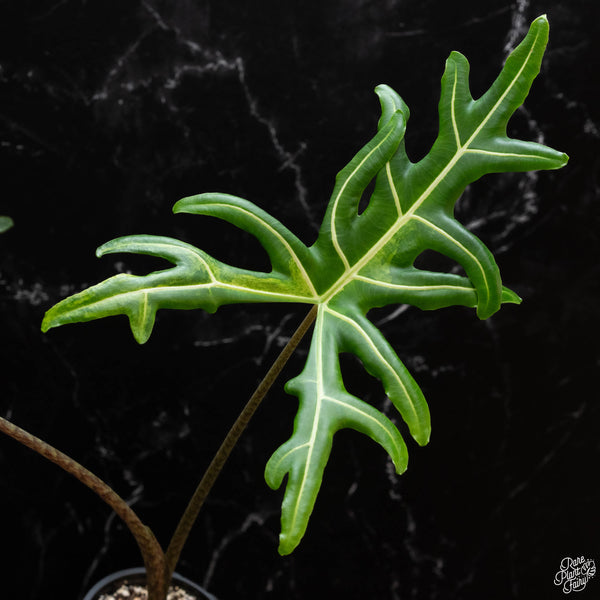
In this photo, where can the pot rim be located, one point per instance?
(124, 573)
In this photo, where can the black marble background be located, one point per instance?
(110, 111)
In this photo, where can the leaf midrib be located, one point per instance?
(334, 237)
(315, 424)
(352, 271)
(280, 237)
(349, 274)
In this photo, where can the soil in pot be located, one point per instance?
(130, 585)
(129, 591)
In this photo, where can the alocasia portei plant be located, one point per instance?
(360, 261)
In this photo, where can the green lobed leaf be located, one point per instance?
(358, 262)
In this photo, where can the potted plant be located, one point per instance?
(362, 259)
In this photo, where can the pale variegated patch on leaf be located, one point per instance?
(358, 262)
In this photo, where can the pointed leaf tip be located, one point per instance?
(510, 297)
(180, 205)
(285, 546)
(565, 159)
(541, 20)
(391, 103)
(46, 324)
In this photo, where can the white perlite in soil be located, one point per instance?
(139, 592)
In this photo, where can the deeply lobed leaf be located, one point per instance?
(358, 262)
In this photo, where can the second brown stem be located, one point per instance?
(212, 472)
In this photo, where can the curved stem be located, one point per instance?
(160, 565)
(152, 553)
(212, 472)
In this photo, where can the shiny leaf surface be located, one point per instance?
(358, 262)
